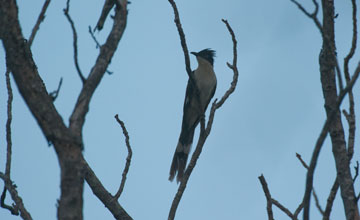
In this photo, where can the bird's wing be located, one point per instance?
(190, 112)
(211, 96)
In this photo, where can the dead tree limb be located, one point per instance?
(103, 195)
(77, 118)
(39, 20)
(128, 158)
(72, 25)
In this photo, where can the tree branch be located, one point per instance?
(128, 159)
(39, 20)
(103, 195)
(54, 94)
(351, 116)
(77, 118)
(19, 205)
(268, 197)
(317, 202)
(66, 13)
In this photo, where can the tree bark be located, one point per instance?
(20, 62)
(327, 60)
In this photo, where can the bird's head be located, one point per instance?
(206, 54)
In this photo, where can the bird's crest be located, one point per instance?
(208, 54)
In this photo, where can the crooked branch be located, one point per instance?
(128, 158)
(77, 66)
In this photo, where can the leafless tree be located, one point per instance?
(67, 140)
(331, 81)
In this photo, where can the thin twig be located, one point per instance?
(54, 94)
(66, 12)
(317, 202)
(11, 187)
(98, 46)
(13, 209)
(94, 38)
(331, 199)
(182, 40)
(268, 197)
(356, 168)
(128, 159)
(8, 124)
(302, 161)
(39, 20)
(313, 16)
(282, 208)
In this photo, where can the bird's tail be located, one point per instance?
(179, 161)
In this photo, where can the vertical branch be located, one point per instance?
(268, 197)
(182, 40)
(66, 12)
(128, 159)
(39, 20)
(8, 124)
(351, 116)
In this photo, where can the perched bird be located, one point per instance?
(205, 80)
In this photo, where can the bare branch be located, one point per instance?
(298, 210)
(8, 125)
(182, 40)
(128, 159)
(204, 132)
(331, 199)
(317, 202)
(103, 195)
(97, 72)
(66, 12)
(313, 15)
(94, 38)
(54, 94)
(13, 209)
(268, 197)
(39, 20)
(15, 197)
(108, 5)
(302, 161)
(282, 208)
(351, 116)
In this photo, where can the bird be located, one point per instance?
(205, 80)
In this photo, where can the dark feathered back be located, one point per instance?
(208, 54)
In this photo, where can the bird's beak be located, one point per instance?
(194, 53)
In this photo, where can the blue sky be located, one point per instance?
(276, 110)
